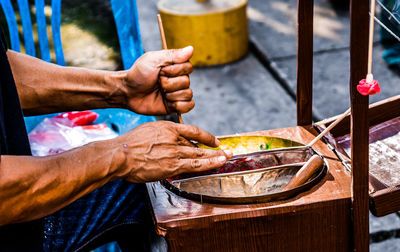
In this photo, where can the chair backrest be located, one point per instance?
(25, 15)
(127, 23)
(125, 16)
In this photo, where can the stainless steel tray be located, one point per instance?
(248, 178)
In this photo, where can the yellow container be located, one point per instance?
(217, 29)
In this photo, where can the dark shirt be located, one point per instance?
(13, 136)
(14, 141)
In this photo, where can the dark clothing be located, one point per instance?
(114, 212)
(118, 206)
(14, 141)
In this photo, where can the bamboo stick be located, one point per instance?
(164, 47)
(370, 77)
(323, 133)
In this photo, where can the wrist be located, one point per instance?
(116, 83)
(104, 160)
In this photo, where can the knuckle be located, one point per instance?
(221, 153)
(195, 163)
(187, 107)
(178, 154)
(194, 130)
(166, 124)
(199, 152)
(171, 55)
(169, 96)
(180, 127)
(172, 68)
(190, 68)
(207, 163)
(183, 141)
(191, 105)
(187, 67)
(190, 93)
(181, 166)
(164, 81)
(186, 81)
(211, 138)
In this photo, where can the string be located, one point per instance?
(395, 7)
(386, 28)
(388, 11)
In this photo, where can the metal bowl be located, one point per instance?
(249, 178)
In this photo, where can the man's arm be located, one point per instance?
(33, 187)
(47, 88)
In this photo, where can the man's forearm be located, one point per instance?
(47, 88)
(33, 187)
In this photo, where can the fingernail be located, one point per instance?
(217, 142)
(221, 159)
(228, 153)
(187, 49)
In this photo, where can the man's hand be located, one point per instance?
(160, 75)
(160, 150)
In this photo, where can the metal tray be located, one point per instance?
(248, 178)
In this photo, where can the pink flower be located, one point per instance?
(368, 88)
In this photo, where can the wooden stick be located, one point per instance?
(370, 77)
(305, 172)
(164, 47)
(162, 34)
(323, 133)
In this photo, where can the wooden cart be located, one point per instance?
(334, 215)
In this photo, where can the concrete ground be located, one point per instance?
(246, 96)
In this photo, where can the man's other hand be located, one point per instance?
(158, 83)
(159, 150)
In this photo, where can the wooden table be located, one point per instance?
(317, 220)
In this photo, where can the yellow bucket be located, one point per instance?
(217, 29)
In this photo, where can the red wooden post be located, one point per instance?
(305, 13)
(359, 19)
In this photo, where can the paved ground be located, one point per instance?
(244, 96)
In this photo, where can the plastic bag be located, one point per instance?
(67, 131)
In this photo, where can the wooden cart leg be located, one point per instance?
(305, 13)
(359, 10)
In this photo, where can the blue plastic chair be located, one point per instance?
(127, 24)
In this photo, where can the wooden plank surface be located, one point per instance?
(318, 220)
(386, 201)
(359, 19)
